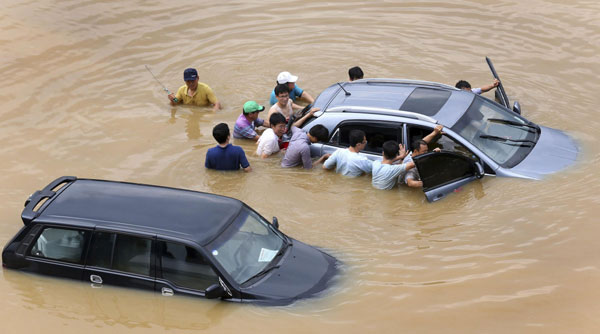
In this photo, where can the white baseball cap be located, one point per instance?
(285, 77)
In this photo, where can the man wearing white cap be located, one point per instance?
(295, 91)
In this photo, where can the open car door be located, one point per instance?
(443, 172)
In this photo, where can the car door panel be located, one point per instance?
(121, 260)
(444, 172)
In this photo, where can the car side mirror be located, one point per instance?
(479, 171)
(517, 107)
(214, 291)
(275, 222)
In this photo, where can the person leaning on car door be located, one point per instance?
(420, 146)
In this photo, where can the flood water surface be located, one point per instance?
(499, 256)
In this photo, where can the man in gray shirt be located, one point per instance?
(298, 151)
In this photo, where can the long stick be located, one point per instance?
(160, 83)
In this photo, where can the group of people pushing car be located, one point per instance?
(396, 165)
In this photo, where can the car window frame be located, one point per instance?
(398, 125)
(201, 250)
(438, 191)
(143, 235)
(41, 228)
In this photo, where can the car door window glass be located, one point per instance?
(443, 142)
(437, 169)
(376, 134)
(100, 254)
(132, 254)
(60, 244)
(121, 252)
(186, 267)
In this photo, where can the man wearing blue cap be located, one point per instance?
(194, 92)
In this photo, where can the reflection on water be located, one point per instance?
(110, 306)
(499, 255)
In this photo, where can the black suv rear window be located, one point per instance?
(426, 101)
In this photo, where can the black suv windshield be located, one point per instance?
(247, 247)
(501, 134)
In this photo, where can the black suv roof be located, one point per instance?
(128, 206)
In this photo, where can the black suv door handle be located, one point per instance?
(95, 279)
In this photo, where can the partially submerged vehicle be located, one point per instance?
(169, 240)
(481, 137)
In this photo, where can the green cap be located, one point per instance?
(252, 106)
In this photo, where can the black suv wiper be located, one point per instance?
(521, 142)
(509, 122)
(261, 273)
(269, 268)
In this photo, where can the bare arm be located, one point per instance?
(217, 106)
(436, 131)
(490, 87)
(323, 158)
(308, 115)
(414, 184)
(306, 97)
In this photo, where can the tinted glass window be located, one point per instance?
(501, 134)
(100, 254)
(186, 267)
(443, 142)
(121, 252)
(376, 133)
(60, 244)
(132, 255)
(247, 246)
(437, 169)
(426, 101)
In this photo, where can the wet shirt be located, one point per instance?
(268, 143)
(412, 173)
(229, 157)
(203, 96)
(385, 176)
(244, 128)
(298, 151)
(348, 163)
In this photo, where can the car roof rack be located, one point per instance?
(382, 111)
(405, 81)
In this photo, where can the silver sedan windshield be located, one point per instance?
(247, 247)
(501, 134)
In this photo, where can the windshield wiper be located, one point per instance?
(509, 122)
(261, 273)
(269, 268)
(521, 142)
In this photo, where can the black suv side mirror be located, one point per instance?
(214, 291)
(275, 222)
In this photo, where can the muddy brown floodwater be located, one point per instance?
(500, 256)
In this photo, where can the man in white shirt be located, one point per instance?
(347, 161)
(268, 143)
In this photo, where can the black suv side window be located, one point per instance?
(60, 244)
(185, 267)
(121, 252)
(376, 133)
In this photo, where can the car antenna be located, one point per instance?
(345, 91)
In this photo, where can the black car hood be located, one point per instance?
(303, 272)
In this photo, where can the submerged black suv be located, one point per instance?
(170, 240)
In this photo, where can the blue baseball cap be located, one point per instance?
(190, 74)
